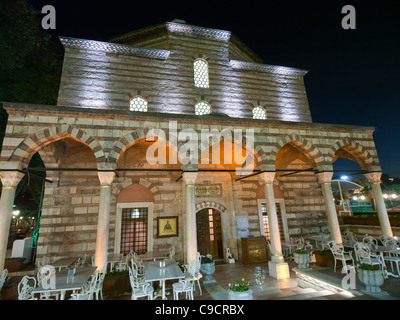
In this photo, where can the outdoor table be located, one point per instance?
(64, 262)
(153, 255)
(64, 284)
(153, 272)
(382, 250)
(114, 258)
(319, 241)
(289, 245)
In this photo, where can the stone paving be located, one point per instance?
(273, 289)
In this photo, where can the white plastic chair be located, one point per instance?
(80, 296)
(25, 288)
(339, 254)
(139, 287)
(185, 285)
(3, 278)
(123, 264)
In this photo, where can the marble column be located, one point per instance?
(9, 180)
(106, 179)
(189, 179)
(325, 179)
(384, 221)
(277, 267)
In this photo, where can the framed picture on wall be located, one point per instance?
(167, 227)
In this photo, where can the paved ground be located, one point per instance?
(273, 289)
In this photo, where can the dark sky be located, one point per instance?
(354, 75)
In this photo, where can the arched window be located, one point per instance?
(201, 73)
(138, 104)
(259, 113)
(202, 108)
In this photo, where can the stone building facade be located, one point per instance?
(182, 80)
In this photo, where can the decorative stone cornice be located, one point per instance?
(114, 48)
(258, 67)
(199, 31)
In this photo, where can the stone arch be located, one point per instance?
(355, 149)
(205, 144)
(45, 136)
(309, 150)
(119, 187)
(132, 138)
(210, 204)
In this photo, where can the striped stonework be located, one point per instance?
(91, 128)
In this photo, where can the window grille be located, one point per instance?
(138, 104)
(202, 108)
(134, 230)
(259, 113)
(201, 73)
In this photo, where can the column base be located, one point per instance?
(279, 270)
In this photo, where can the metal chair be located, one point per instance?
(3, 278)
(185, 285)
(192, 271)
(139, 287)
(98, 286)
(364, 255)
(338, 253)
(25, 288)
(392, 257)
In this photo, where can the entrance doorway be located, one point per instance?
(209, 233)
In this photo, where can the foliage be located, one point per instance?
(240, 286)
(301, 251)
(118, 273)
(370, 267)
(207, 259)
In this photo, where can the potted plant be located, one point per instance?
(240, 291)
(324, 258)
(116, 282)
(371, 276)
(302, 258)
(207, 268)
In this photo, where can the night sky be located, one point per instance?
(353, 74)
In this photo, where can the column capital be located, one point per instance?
(267, 177)
(324, 177)
(106, 177)
(10, 178)
(374, 177)
(189, 177)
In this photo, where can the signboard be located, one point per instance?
(208, 190)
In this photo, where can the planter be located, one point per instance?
(324, 258)
(372, 279)
(114, 284)
(302, 260)
(244, 295)
(207, 270)
(14, 264)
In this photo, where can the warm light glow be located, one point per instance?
(362, 198)
(344, 177)
(16, 212)
(355, 198)
(393, 196)
(282, 271)
(385, 196)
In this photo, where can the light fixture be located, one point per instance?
(344, 177)
(385, 196)
(394, 196)
(16, 212)
(355, 198)
(362, 198)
